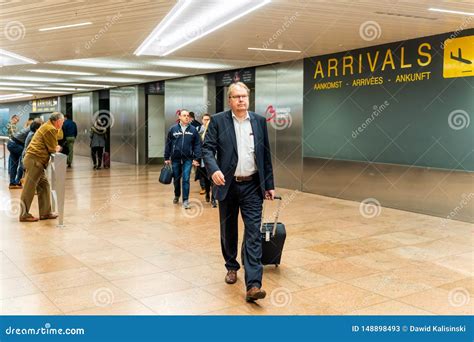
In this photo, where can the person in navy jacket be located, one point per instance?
(236, 154)
(182, 150)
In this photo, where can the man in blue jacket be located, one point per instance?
(183, 149)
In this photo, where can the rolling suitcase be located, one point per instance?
(106, 160)
(273, 239)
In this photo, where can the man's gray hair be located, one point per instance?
(56, 116)
(237, 85)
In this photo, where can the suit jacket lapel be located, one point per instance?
(253, 123)
(231, 131)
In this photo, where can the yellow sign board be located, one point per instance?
(458, 57)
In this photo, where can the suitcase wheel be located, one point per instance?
(276, 265)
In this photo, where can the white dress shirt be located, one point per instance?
(246, 164)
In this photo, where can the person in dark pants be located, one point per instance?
(70, 134)
(243, 177)
(98, 137)
(15, 146)
(182, 150)
(203, 176)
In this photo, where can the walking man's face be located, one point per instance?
(184, 117)
(239, 100)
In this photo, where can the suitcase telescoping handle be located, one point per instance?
(267, 233)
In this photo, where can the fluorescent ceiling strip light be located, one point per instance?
(274, 50)
(147, 73)
(450, 11)
(113, 79)
(11, 88)
(16, 56)
(45, 71)
(13, 96)
(168, 19)
(20, 84)
(84, 85)
(95, 63)
(199, 17)
(34, 79)
(190, 64)
(44, 92)
(65, 89)
(64, 26)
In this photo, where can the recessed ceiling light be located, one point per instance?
(34, 79)
(113, 79)
(274, 50)
(45, 71)
(64, 26)
(84, 85)
(190, 64)
(190, 20)
(21, 84)
(13, 96)
(450, 11)
(147, 73)
(15, 56)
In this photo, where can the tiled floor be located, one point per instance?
(126, 249)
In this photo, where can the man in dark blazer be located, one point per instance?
(243, 177)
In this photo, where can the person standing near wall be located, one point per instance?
(42, 145)
(15, 146)
(98, 137)
(70, 134)
(182, 150)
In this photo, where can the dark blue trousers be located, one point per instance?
(14, 162)
(246, 197)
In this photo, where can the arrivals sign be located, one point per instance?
(395, 63)
(45, 105)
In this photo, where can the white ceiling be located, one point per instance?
(119, 27)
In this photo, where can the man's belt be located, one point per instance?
(244, 178)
